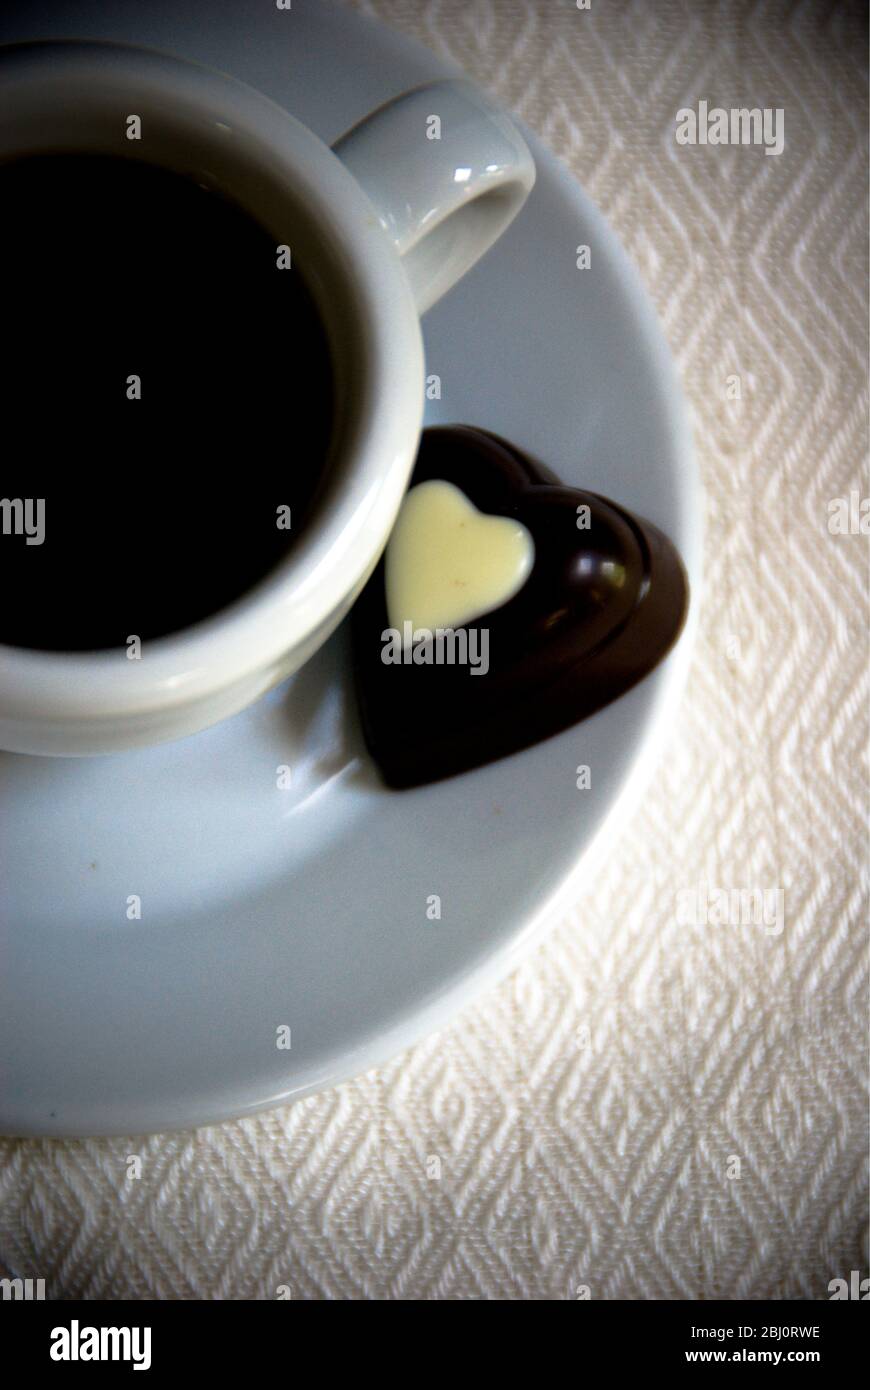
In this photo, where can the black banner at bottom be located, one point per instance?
(85, 1338)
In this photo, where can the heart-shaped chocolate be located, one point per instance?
(447, 563)
(603, 602)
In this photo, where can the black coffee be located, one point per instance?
(158, 510)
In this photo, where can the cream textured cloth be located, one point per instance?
(645, 1109)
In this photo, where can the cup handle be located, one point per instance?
(447, 172)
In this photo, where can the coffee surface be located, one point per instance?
(162, 494)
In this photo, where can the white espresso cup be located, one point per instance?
(385, 223)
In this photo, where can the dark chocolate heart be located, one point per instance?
(599, 610)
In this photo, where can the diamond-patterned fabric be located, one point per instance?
(645, 1109)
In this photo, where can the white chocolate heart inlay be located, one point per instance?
(447, 563)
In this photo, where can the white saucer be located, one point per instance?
(306, 907)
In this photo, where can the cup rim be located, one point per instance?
(332, 557)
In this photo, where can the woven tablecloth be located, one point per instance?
(646, 1109)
